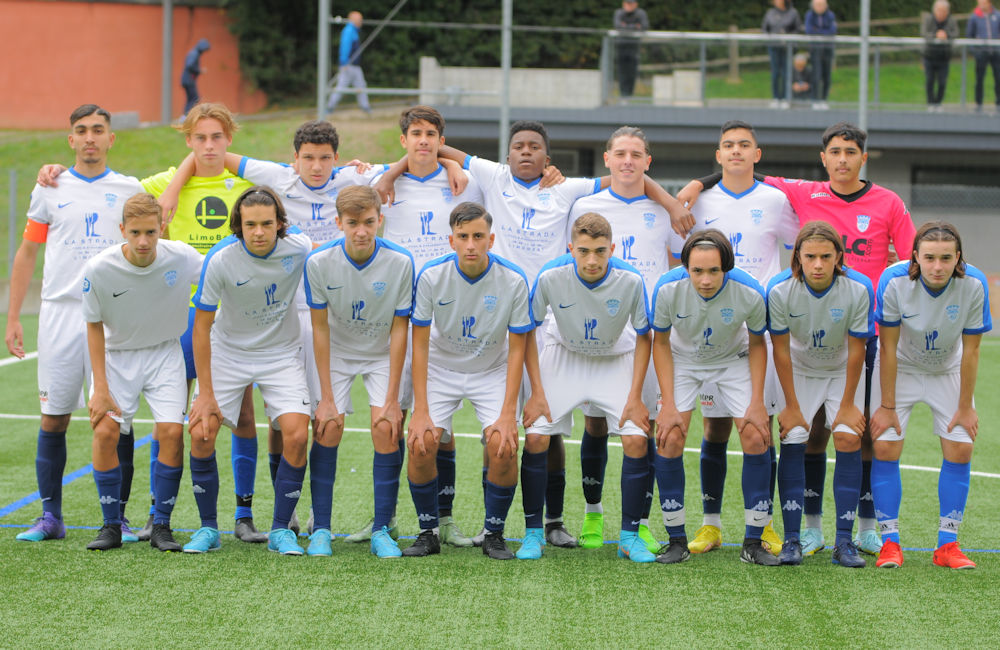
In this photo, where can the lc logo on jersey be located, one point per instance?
(170, 278)
(628, 242)
(526, 216)
(357, 307)
(590, 329)
(468, 322)
(425, 223)
(269, 292)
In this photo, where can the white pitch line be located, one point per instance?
(12, 360)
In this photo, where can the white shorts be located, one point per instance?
(939, 392)
(446, 389)
(772, 389)
(572, 379)
(650, 395)
(374, 373)
(730, 394)
(63, 358)
(281, 380)
(308, 358)
(814, 393)
(157, 372)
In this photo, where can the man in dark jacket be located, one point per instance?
(780, 19)
(984, 23)
(192, 68)
(938, 29)
(631, 21)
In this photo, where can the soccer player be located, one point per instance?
(821, 316)
(470, 316)
(874, 224)
(758, 219)
(135, 299)
(933, 311)
(709, 318)
(360, 289)
(254, 275)
(76, 221)
(590, 355)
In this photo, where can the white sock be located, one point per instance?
(864, 523)
(644, 522)
(814, 521)
(714, 519)
(595, 507)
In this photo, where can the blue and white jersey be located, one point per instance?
(709, 333)
(79, 218)
(417, 219)
(255, 294)
(531, 223)
(312, 209)
(757, 221)
(640, 229)
(360, 300)
(820, 322)
(141, 306)
(932, 323)
(591, 317)
(470, 317)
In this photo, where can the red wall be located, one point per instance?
(58, 55)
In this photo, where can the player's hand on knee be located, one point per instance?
(536, 407)
(420, 426)
(329, 418)
(15, 339)
(205, 417)
(637, 412)
(966, 418)
(850, 415)
(506, 428)
(391, 414)
(756, 416)
(551, 176)
(884, 419)
(100, 405)
(789, 418)
(668, 419)
(48, 174)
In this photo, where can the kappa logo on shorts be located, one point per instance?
(170, 277)
(378, 288)
(490, 303)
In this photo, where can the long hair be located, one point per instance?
(936, 231)
(258, 195)
(817, 230)
(710, 238)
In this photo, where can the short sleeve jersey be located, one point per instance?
(470, 318)
(140, 306)
(641, 229)
(757, 221)
(709, 333)
(591, 317)
(531, 223)
(75, 221)
(361, 300)
(818, 323)
(255, 294)
(417, 218)
(932, 322)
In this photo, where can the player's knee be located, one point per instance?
(597, 427)
(675, 443)
(718, 429)
(888, 450)
(635, 446)
(106, 433)
(846, 442)
(55, 423)
(535, 443)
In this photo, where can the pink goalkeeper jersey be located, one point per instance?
(868, 223)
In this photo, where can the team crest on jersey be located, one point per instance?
(727, 315)
(170, 277)
(952, 311)
(489, 303)
(613, 306)
(819, 195)
(378, 288)
(756, 215)
(544, 197)
(111, 197)
(446, 194)
(649, 220)
(836, 314)
(229, 183)
(287, 263)
(863, 222)
(86, 285)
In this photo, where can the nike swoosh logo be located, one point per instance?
(509, 196)
(63, 205)
(292, 197)
(305, 402)
(910, 315)
(444, 304)
(562, 306)
(796, 315)
(115, 295)
(679, 316)
(708, 221)
(398, 202)
(329, 288)
(240, 284)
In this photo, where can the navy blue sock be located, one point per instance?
(287, 490)
(109, 485)
(273, 460)
(593, 461)
(815, 465)
(866, 504)
(244, 474)
(50, 461)
(167, 485)
(425, 501)
(953, 492)
(485, 472)
(533, 484)
(713, 475)
(670, 479)
(791, 487)
(498, 500)
(634, 474)
(846, 485)
(887, 488)
(647, 504)
(322, 474)
(126, 460)
(555, 494)
(445, 462)
(756, 474)
(205, 484)
(385, 476)
(154, 454)
(774, 478)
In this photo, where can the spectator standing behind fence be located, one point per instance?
(782, 18)
(938, 28)
(820, 21)
(984, 23)
(630, 21)
(192, 69)
(802, 75)
(350, 73)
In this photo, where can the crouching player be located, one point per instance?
(252, 338)
(135, 300)
(591, 357)
(702, 312)
(821, 316)
(933, 311)
(470, 316)
(360, 289)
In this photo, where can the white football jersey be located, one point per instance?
(757, 221)
(82, 215)
(590, 317)
(255, 294)
(417, 218)
(141, 306)
(709, 332)
(932, 324)
(530, 222)
(470, 318)
(640, 229)
(819, 323)
(360, 300)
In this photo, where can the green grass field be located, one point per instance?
(244, 595)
